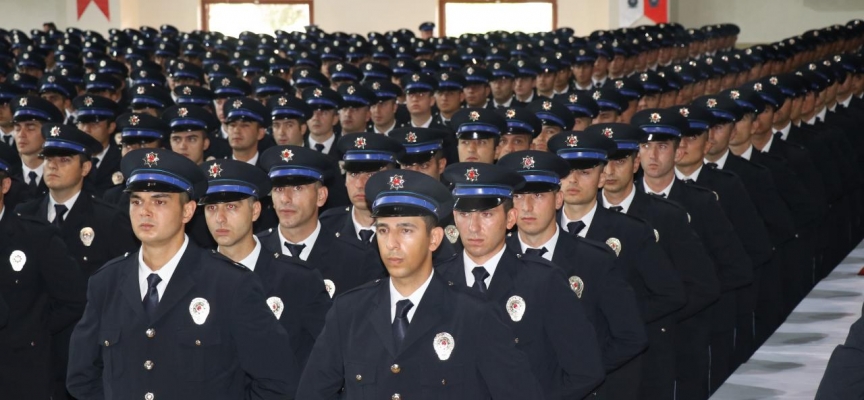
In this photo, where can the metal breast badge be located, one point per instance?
(87, 234)
(615, 244)
(276, 305)
(444, 345)
(516, 308)
(452, 233)
(330, 286)
(17, 259)
(199, 309)
(577, 285)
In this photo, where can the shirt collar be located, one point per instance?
(2, 211)
(784, 132)
(747, 153)
(386, 131)
(491, 265)
(694, 176)
(254, 159)
(549, 245)
(586, 88)
(821, 115)
(415, 297)
(664, 192)
(358, 227)
(252, 259)
(625, 204)
(768, 144)
(845, 103)
(309, 242)
(68, 203)
(585, 220)
(721, 162)
(38, 170)
(327, 143)
(504, 104)
(101, 156)
(165, 272)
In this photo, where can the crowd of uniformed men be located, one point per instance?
(320, 215)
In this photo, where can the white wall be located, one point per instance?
(767, 20)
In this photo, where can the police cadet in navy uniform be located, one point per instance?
(28, 114)
(300, 177)
(646, 267)
(554, 331)
(197, 326)
(137, 131)
(607, 298)
(95, 115)
(685, 250)
(325, 104)
(734, 267)
(415, 333)
(247, 122)
(44, 294)
(294, 290)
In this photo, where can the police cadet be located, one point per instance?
(558, 339)
(554, 116)
(424, 149)
(736, 203)
(608, 300)
(247, 121)
(646, 267)
(414, 333)
(44, 295)
(294, 290)
(526, 80)
(137, 131)
(60, 92)
(157, 325)
(449, 95)
(522, 128)
(95, 115)
(478, 131)
(300, 177)
(684, 249)
(611, 105)
(583, 70)
(189, 130)
(501, 83)
(734, 267)
(419, 98)
(325, 104)
(583, 107)
(150, 99)
(356, 101)
(289, 115)
(28, 115)
(476, 88)
(384, 112)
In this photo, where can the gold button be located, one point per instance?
(358, 377)
(107, 343)
(395, 368)
(149, 396)
(150, 333)
(197, 342)
(148, 365)
(396, 396)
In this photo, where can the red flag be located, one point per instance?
(102, 4)
(656, 10)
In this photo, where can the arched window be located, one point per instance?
(480, 16)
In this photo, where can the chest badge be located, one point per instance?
(17, 259)
(516, 308)
(87, 234)
(615, 244)
(200, 309)
(276, 305)
(330, 286)
(577, 285)
(444, 345)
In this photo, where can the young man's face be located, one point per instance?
(354, 119)
(158, 218)
(433, 167)
(581, 186)
(536, 211)
(28, 137)
(692, 149)
(190, 145)
(475, 95)
(65, 172)
(618, 173)
(606, 117)
(297, 206)
(743, 130)
(657, 158)
(540, 142)
(244, 135)
(420, 103)
(231, 222)
(99, 130)
(583, 73)
(355, 183)
(546, 82)
(322, 121)
(288, 132)
(127, 147)
(5, 113)
(649, 100)
(512, 143)
(718, 138)
(406, 245)
(601, 67)
(477, 150)
(524, 86)
(62, 103)
(483, 232)
(218, 104)
(383, 113)
(449, 101)
(502, 89)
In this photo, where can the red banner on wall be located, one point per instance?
(656, 10)
(102, 4)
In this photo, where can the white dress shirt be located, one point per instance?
(252, 258)
(101, 157)
(505, 104)
(358, 227)
(165, 272)
(585, 219)
(386, 131)
(768, 144)
(253, 160)
(415, 298)
(490, 266)
(425, 124)
(664, 192)
(26, 172)
(549, 245)
(309, 242)
(694, 176)
(721, 162)
(328, 144)
(747, 153)
(625, 204)
(784, 132)
(52, 213)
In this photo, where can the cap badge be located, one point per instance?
(339, 67)
(369, 67)
(676, 68)
(811, 67)
(199, 309)
(397, 182)
(445, 57)
(17, 259)
(474, 115)
(376, 86)
(709, 61)
(215, 171)
(444, 345)
(55, 131)
(572, 141)
(22, 102)
(757, 86)
(615, 244)
(469, 50)
(415, 78)
(643, 77)
(684, 111)
(411, 137)
(608, 132)
(350, 90)
(187, 90)
(543, 60)
(445, 77)
(276, 305)
(304, 73)
(655, 118)
(237, 103)
(516, 308)
(181, 65)
(711, 103)
(330, 287)
(577, 285)
(86, 235)
(360, 142)
(547, 105)
(596, 95)
(400, 63)
(140, 90)
(581, 52)
(92, 77)
(470, 71)
(317, 92)
(619, 84)
(182, 112)
(151, 159)
(472, 174)
(520, 63)
(510, 113)
(496, 65)
(52, 78)
(528, 162)
(734, 94)
(88, 101)
(287, 155)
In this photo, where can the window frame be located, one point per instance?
(205, 8)
(442, 6)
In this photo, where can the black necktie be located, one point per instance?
(151, 300)
(689, 181)
(663, 195)
(480, 275)
(319, 147)
(8, 139)
(295, 249)
(60, 210)
(617, 209)
(536, 252)
(366, 235)
(778, 135)
(400, 323)
(575, 227)
(33, 176)
(711, 165)
(95, 161)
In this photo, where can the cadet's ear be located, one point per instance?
(5, 185)
(189, 210)
(437, 235)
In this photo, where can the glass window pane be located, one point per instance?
(231, 19)
(485, 17)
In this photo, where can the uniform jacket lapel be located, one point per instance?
(381, 321)
(429, 312)
(181, 282)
